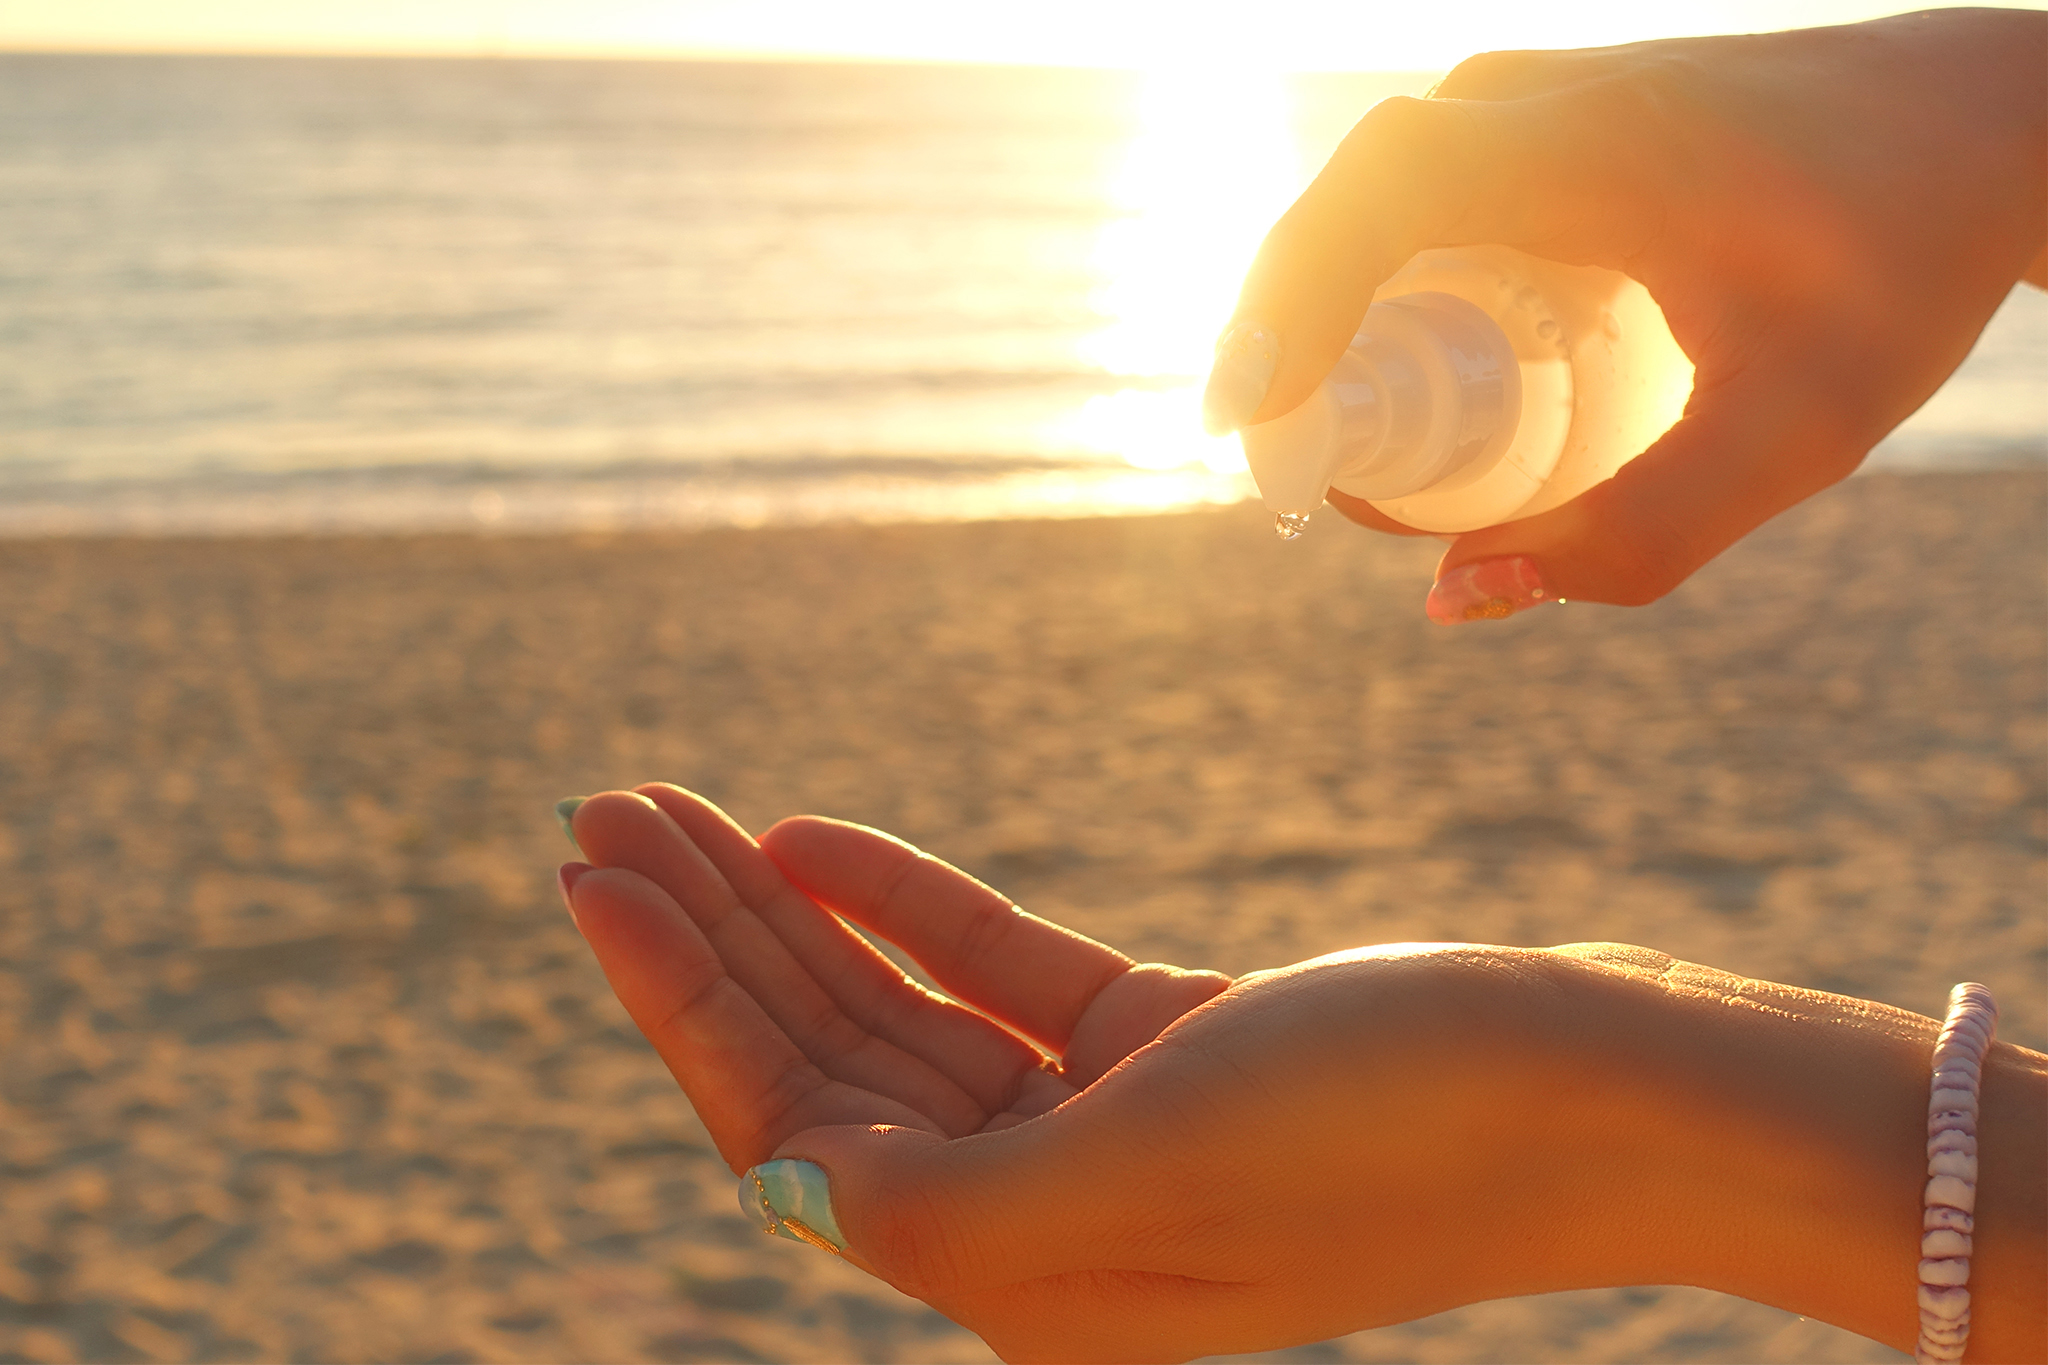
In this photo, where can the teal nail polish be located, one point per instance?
(792, 1199)
(565, 811)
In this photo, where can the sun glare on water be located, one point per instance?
(1211, 163)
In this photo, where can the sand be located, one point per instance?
(302, 1061)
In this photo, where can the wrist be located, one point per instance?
(1770, 1142)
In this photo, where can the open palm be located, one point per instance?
(775, 1017)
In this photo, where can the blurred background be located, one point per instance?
(414, 413)
(374, 292)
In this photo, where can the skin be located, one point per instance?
(1828, 217)
(1194, 1165)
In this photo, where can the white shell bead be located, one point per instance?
(1951, 1118)
(1952, 1140)
(1961, 1165)
(1953, 1219)
(1944, 1301)
(1964, 1101)
(1953, 1191)
(1944, 1270)
(1944, 1242)
(1967, 1032)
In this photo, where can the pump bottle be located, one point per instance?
(1483, 386)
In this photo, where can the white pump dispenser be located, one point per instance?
(1483, 386)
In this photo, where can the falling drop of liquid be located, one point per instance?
(1288, 525)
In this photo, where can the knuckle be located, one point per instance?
(1676, 73)
(1412, 159)
(988, 928)
(1647, 554)
(1400, 124)
(1487, 76)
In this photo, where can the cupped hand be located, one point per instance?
(775, 1017)
(1180, 1165)
(1185, 1165)
(1828, 217)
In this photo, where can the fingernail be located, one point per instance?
(565, 878)
(1245, 361)
(792, 1199)
(1487, 591)
(565, 811)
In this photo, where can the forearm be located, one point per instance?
(1769, 1142)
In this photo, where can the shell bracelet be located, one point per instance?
(1949, 1204)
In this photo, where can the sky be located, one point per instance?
(1266, 34)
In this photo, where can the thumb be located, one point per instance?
(1045, 1239)
(937, 1218)
(1744, 451)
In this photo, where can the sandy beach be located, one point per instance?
(302, 1060)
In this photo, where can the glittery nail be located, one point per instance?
(1487, 591)
(792, 1199)
(1243, 371)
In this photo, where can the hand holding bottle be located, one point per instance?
(1827, 218)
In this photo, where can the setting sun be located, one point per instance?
(1202, 179)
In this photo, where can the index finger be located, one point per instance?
(1547, 174)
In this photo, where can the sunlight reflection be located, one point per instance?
(1211, 163)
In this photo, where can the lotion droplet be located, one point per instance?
(1288, 525)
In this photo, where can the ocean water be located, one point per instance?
(246, 294)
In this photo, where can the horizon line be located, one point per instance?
(734, 56)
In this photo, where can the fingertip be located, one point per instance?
(1611, 544)
(791, 836)
(613, 800)
(565, 881)
(790, 1197)
(1239, 378)
(1487, 590)
(606, 825)
(651, 790)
